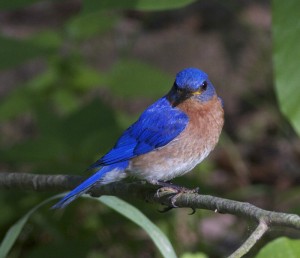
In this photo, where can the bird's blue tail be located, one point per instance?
(91, 181)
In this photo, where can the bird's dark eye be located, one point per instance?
(204, 86)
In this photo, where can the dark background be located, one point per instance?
(71, 82)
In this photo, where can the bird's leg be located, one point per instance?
(178, 190)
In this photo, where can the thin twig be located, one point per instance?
(251, 241)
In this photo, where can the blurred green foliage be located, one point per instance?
(15, 4)
(194, 255)
(115, 203)
(141, 5)
(140, 219)
(15, 230)
(14, 52)
(73, 126)
(281, 247)
(286, 56)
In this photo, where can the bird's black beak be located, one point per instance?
(175, 97)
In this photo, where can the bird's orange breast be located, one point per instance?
(188, 149)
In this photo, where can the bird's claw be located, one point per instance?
(167, 189)
(193, 211)
(176, 191)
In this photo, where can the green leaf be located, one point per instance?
(47, 39)
(281, 247)
(74, 248)
(69, 140)
(14, 52)
(286, 56)
(15, 230)
(15, 4)
(66, 142)
(133, 214)
(66, 100)
(194, 255)
(142, 5)
(131, 78)
(24, 98)
(18, 102)
(86, 25)
(115, 203)
(85, 78)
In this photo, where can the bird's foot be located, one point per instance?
(177, 190)
(168, 186)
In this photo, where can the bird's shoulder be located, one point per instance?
(161, 112)
(157, 125)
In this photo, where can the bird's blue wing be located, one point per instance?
(156, 127)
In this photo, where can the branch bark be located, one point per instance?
(148, 192)
(140, 190)
(251, 241)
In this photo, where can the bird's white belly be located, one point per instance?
(173, 160)
(172, 168)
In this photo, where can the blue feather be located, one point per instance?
(88, 184)
(157, 126)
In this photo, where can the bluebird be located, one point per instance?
(169, 139)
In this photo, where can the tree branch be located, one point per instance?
(36, 182)
(148, 192)
(251, 241)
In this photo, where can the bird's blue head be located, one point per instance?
(191, 83)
